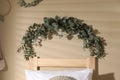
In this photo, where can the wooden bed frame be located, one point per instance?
(89, 63)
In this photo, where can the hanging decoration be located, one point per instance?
(3, 14)
(68, 25)
(22, 3)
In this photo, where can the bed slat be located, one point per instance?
(91, 63)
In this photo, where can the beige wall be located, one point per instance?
(7, 32)
(104, 15)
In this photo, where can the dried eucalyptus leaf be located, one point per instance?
(69, 37)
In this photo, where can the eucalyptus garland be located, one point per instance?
(68, 25)
(22, 3)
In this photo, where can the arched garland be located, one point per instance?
(69, 25)
(22, 3)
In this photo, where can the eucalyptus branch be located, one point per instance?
(22, 3)
(69, 25)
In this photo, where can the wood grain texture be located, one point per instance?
(89, 63)
(104, 15)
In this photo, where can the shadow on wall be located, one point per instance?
(109, 76)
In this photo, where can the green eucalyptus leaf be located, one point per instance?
(70, 26)
(22, 3)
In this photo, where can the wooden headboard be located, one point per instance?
(89, 63)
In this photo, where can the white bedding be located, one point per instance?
(85, 74)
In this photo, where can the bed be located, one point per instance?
(88, 63)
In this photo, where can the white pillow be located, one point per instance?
(85, 74)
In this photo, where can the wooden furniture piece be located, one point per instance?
(90, 63)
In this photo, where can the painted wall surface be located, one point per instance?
(104, 15)
(7, 39)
